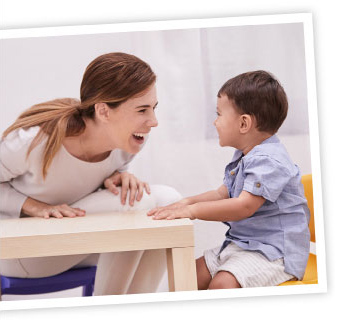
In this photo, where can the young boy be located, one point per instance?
(261, 199)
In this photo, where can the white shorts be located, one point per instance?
(250, 268)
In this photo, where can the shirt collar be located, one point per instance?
(272, 139)
(238, 153)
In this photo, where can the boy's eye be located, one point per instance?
(142, 111)
(217, 113)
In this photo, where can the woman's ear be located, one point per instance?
(246, 123)
(102, 111)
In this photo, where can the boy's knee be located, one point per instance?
(203, 275)
(216, 284)
(224, 280)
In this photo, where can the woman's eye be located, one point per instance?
(142, 111)
(217, 113)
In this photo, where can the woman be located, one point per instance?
(57, 155)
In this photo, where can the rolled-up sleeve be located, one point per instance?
(265, 177)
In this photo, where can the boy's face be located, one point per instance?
(227, 123)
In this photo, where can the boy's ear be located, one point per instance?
(246, 123)
(102, 111)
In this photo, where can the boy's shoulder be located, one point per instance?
(273, 151)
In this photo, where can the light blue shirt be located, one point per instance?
(279, 228)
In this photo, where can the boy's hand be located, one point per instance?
(171, 212)
(176, 205)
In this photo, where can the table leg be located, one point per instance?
(181, 269)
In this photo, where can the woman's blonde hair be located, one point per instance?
(111, 78)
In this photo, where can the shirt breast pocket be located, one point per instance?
(237, 184)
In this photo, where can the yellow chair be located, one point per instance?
(310, 275)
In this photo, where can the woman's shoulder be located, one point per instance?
(13, 150)
(20, 137)
(18, 142)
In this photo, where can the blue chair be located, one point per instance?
(73, 278)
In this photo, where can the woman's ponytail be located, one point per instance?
(57, 119)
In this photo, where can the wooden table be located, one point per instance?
(104, 232)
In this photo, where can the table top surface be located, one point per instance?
(96, 222)
(100, 232)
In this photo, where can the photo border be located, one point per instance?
(306, 19)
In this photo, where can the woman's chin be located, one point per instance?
(133, 151)
(133, 148)
(135, 144)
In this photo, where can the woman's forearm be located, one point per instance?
(32, 207)
(35, 208)
(11, 201)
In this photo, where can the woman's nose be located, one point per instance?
(153, 122)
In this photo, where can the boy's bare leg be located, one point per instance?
(203, 275)
(224, 280)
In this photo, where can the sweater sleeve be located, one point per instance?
(13, 164)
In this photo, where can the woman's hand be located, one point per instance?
(177, 210)
(36, 208)
(129, 183)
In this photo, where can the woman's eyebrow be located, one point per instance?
(147, 106)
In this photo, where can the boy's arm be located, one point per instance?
(232, 209)
(213, 195)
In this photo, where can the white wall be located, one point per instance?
(191, 65)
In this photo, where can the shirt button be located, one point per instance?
(258, 185)
(232, 173)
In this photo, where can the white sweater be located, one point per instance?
(68, 178)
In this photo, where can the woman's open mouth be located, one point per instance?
(139, 137)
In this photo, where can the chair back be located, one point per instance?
(307, 184)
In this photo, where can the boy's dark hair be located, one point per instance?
(259, 94)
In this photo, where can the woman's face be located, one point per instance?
(131, 122)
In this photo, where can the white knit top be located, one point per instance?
(68, 178)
